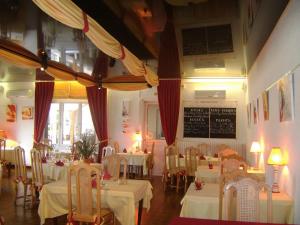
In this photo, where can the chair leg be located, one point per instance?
(25, 194)
(177, 183)
(16, 190)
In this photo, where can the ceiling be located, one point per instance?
(137, 25)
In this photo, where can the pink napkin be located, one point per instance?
(216, 155)
(202, 157)
(181, 156)
(124, 150)
(106, 175)
(59, 163)
(94, 183)
(145, 151)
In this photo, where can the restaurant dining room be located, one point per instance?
(149, 112)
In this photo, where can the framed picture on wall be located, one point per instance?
(27, 113)
(254, 113)
(265, 100)
(286, 98)
(11, 113)
(125, 108)
(257, 108)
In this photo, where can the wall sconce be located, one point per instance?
(255, 148)
(276, 159)
(138, 139)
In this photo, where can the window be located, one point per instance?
(67, 121)
(152, 121)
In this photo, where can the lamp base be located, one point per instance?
(275, 188)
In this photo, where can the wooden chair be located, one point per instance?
(191, 162)
(227, 152)
(116, 147)
(21, 175)
(107, 150)
(83, 209)
(1, 220)
(150, 160)
(43, 148)
(172, 167)
(247, 199)
(38, 179)
(114, 164)
(2, 150)
(231, 163)
(204, 149)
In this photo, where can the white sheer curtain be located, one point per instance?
(71, 15)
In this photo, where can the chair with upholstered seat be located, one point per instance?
(21, 175)
(80, 203)
(2, 150)
(247, 207)
(227, 152)
(115, 165)
(172, 167)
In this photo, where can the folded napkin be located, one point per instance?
(44, 159)
(94, 183)
(145, 151)
(125, 150)
(202, 157)
(59, 163)
(216, 155)
(181, 156)
(106, 175)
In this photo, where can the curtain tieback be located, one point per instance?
(85, 23)
(122, 52)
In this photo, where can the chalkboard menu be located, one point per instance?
(196, 122)
(222, 122)
(209, 122)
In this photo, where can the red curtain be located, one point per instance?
(43, 98)
(98, 102)
(169, 102)
(98, 107)
(169, 87)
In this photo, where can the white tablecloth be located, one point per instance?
(204, 204)
(121, 198)
(213, 175)
(54, 172)
(136, 159)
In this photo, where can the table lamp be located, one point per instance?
(138, 138)
(255, 148)
(275, 159)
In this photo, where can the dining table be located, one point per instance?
(136, 159)
(212, 174)
(204, 204)
(193, 221)
(121, 198)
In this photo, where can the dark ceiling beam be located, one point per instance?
(100, 12)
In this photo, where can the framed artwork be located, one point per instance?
(11, 113)
(265, 99)
(125, 108)
(27, 113)
(254, 113)
(249, 114)
(257, 108)
(286, 98)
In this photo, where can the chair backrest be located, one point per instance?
(116, 147)
(113, 164)
(37, 169)
(107, 150)
(83, 177)
(231, 164)
(247, 199)
(204, 149)
(227, 152)
(20, 163)
(47, 141)
(2, 149)
(43, 148)
(172, 159)
(191, 160)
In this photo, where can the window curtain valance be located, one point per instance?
(71, 15)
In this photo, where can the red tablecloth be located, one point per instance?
(191, 221)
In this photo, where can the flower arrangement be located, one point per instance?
(87, 146)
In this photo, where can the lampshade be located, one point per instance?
(3, 134)
(255, 147)
(138, 136)
(275, 157)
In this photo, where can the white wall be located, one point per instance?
(279, 55)
(22, 130)
(235, 97)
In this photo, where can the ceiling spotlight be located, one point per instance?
(44, 59)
